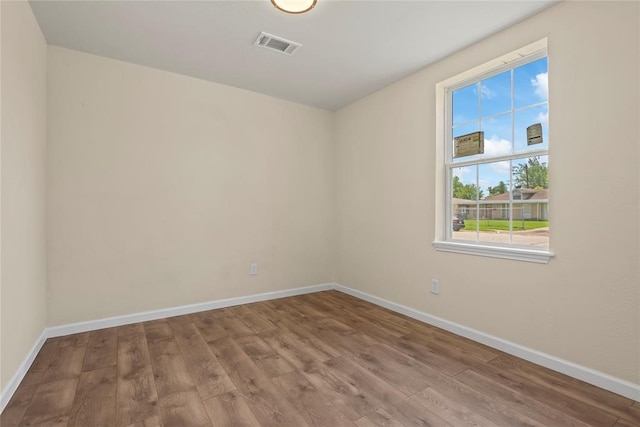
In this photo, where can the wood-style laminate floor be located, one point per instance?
(324, 359)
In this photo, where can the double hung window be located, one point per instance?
(494, 148)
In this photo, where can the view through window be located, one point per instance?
(497, 159)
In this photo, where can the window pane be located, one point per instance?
(531, 173)
(527, 230)
(464, 183)
(465, 104)
(497, 136)
(464, 193)
(493, 215)
(531, 83)
(530, 220)
(496, 94)
(527, 117)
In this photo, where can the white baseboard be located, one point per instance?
(92, 325)
(599, 379)
(15, 381)
(588, 375)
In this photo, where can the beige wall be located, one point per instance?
(22, 225)
(163, 189)
(583, 306)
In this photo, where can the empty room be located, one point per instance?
(320, 213)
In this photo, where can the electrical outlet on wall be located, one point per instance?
(253, 270)
(435, 286)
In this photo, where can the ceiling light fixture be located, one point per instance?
(294, 6)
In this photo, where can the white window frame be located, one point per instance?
(443, 238)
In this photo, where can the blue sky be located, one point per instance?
(488, 107)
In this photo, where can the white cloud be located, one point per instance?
(501, 167)
(487, 93)
(541, 85)
(496, 146)
(543, 117)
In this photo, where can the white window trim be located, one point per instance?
(443, 241)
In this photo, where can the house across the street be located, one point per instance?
(534, 206)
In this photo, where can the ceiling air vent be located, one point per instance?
(279, 44)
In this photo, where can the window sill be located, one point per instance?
(513, 253)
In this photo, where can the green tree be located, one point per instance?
(466, 191)
(498, 189)
(531, 174)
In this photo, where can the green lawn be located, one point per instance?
(503, 224)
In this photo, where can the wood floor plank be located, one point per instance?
(479, 403)
(570, 387)
(624, 423)
(447, 350)
(102, 349)
(294, 306)
(235, 327)
(67, 361)
(73, 340)
(41, 363)
(455, 413)
(635, 413)
(292, 348)
(379, 418)
(364, 380)
(136, 390)
(382, 324)
(157, 330)
(51, 404)
(519, 402)
(410, 413)
(456, 346)
(269, 407)
(404, 373)
(230, 409)
(95, 400)
(183, 409)
(265, 357)
(265, 310)
(381, 318)
(309, 306)
(416, 349)
(546, 395)
(207, 373)
(344, 396)
(306, 332)
(347, 396)
(351, 344)
(169, 368)
(149, 422)
(209, 326)
(253, 319)
(309, 402)
(336, 326)
(487, 405)
(346, 302)
(18, 405)
(448, 386)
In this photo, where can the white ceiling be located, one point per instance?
(349, 48)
